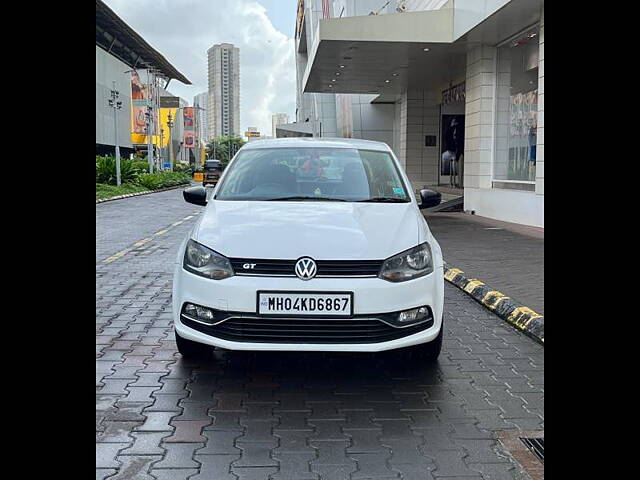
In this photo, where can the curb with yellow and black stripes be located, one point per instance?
(516, 314)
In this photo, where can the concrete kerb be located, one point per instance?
(514, 313)
(137, 194)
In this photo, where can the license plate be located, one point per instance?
(326, 304)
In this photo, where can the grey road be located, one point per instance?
(290, 415)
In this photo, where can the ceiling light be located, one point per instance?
(341, 66)
(386, 81)
(333, 79)
(426, 49)
(337, 73)
(394, 74)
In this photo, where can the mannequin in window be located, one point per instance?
(532, 152)
(454, 143)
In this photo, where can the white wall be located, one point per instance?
(518, 206)
(318, 108)
(469, 13)
(419, 116)
(359, 8)
(507, 205)
(372, 121)
(108, 69)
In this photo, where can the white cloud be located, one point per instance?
(183, 31)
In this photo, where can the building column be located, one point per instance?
(419, 117)
(479, 125)
(401, 108)
(540, 130)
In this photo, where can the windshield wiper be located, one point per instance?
(278, 199)
(385, 199)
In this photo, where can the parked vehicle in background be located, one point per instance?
(212, 171)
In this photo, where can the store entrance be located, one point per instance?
(451, 150)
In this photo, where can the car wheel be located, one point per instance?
(429, 352)
(191, 349)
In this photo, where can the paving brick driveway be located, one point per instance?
(290, 415)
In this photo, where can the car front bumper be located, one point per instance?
(372, 296)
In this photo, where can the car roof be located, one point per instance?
(311, 142)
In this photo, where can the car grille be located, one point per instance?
(305, 330)
(326, 268)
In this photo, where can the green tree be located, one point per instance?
(223, 148)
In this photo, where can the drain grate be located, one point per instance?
(536, 445)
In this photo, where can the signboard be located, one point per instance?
(454, 94)
(169, 102)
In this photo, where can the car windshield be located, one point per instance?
(210, 164)
(320, 174)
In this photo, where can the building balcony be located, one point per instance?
(388, 54)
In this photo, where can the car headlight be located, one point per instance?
(205, 262)
(412, 263)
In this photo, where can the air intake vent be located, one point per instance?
(536, 445)
(326, 268)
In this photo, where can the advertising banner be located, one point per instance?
(139, 122)
(140, 96)
(189, 139)
(189, 127)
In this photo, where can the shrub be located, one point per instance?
(106, 170)
(106, 191)
(154, 181)
(142, 166)
(181, 167)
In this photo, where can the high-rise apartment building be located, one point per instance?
(278, 119)
(224, 90)
(200, 104)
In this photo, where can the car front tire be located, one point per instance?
(428, 352)
(191, 349)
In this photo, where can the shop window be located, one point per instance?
(517, 109)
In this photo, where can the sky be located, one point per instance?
(183, 30)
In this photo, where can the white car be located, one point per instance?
(310, 244)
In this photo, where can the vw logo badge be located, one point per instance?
(306, 268)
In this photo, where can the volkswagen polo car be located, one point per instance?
(311, 245)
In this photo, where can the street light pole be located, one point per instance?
(116, 105)
(197, 109)
(161, 146)
(170, 126)
(149, 116)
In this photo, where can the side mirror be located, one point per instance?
(429, 198)
(196, 195)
